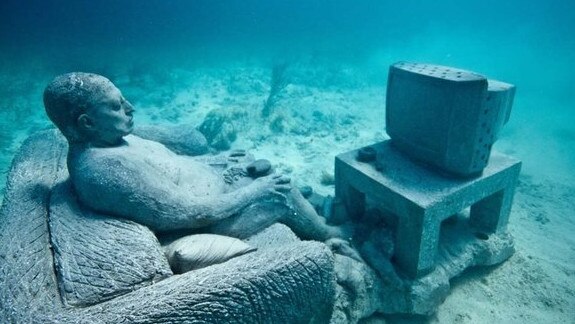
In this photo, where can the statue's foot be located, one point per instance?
(344, 231)
(343, 247)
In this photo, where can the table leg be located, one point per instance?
(417, 241)
(353, 199)
(491, 214)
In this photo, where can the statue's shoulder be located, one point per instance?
(133, 147)
(131, 159)
(139, 144)
(89, 160)
(87, 154)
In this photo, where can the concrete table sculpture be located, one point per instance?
(422, 199)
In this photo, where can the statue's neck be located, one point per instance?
(96, 144)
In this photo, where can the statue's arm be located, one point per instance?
(225, 159)
(188, 141)
(121, 187)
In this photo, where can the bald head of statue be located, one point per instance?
(88, 108)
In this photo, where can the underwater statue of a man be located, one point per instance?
(118, 173)
(100, 232)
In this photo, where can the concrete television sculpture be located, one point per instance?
(446, 117)
(438, 225)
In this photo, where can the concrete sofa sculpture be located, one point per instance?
(62, 263)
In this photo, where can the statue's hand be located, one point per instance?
(274, 185)
(236, 156)
(226, 159)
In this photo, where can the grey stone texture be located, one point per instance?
(415, 262)
(55, 257)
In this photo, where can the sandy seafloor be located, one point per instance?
(332, 107)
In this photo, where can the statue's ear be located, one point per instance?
(85, 122)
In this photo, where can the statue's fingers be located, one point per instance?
(279, 176)
(283, 180)
(282, 187)
(238, 153)
(281, 196)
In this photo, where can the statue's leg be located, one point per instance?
(306, 223)
(297, 213)
(251, 220)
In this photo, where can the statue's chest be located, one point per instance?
(196, 178)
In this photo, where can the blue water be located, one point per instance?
(528, 43)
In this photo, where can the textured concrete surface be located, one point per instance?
(421, 199)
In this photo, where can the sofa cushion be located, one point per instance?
(99, 257)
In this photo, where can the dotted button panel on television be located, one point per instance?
(439, 71)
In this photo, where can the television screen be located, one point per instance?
(445, 117)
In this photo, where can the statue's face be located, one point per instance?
(109, 118)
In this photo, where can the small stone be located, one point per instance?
(366, 154)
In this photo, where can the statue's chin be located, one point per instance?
(130, 128)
